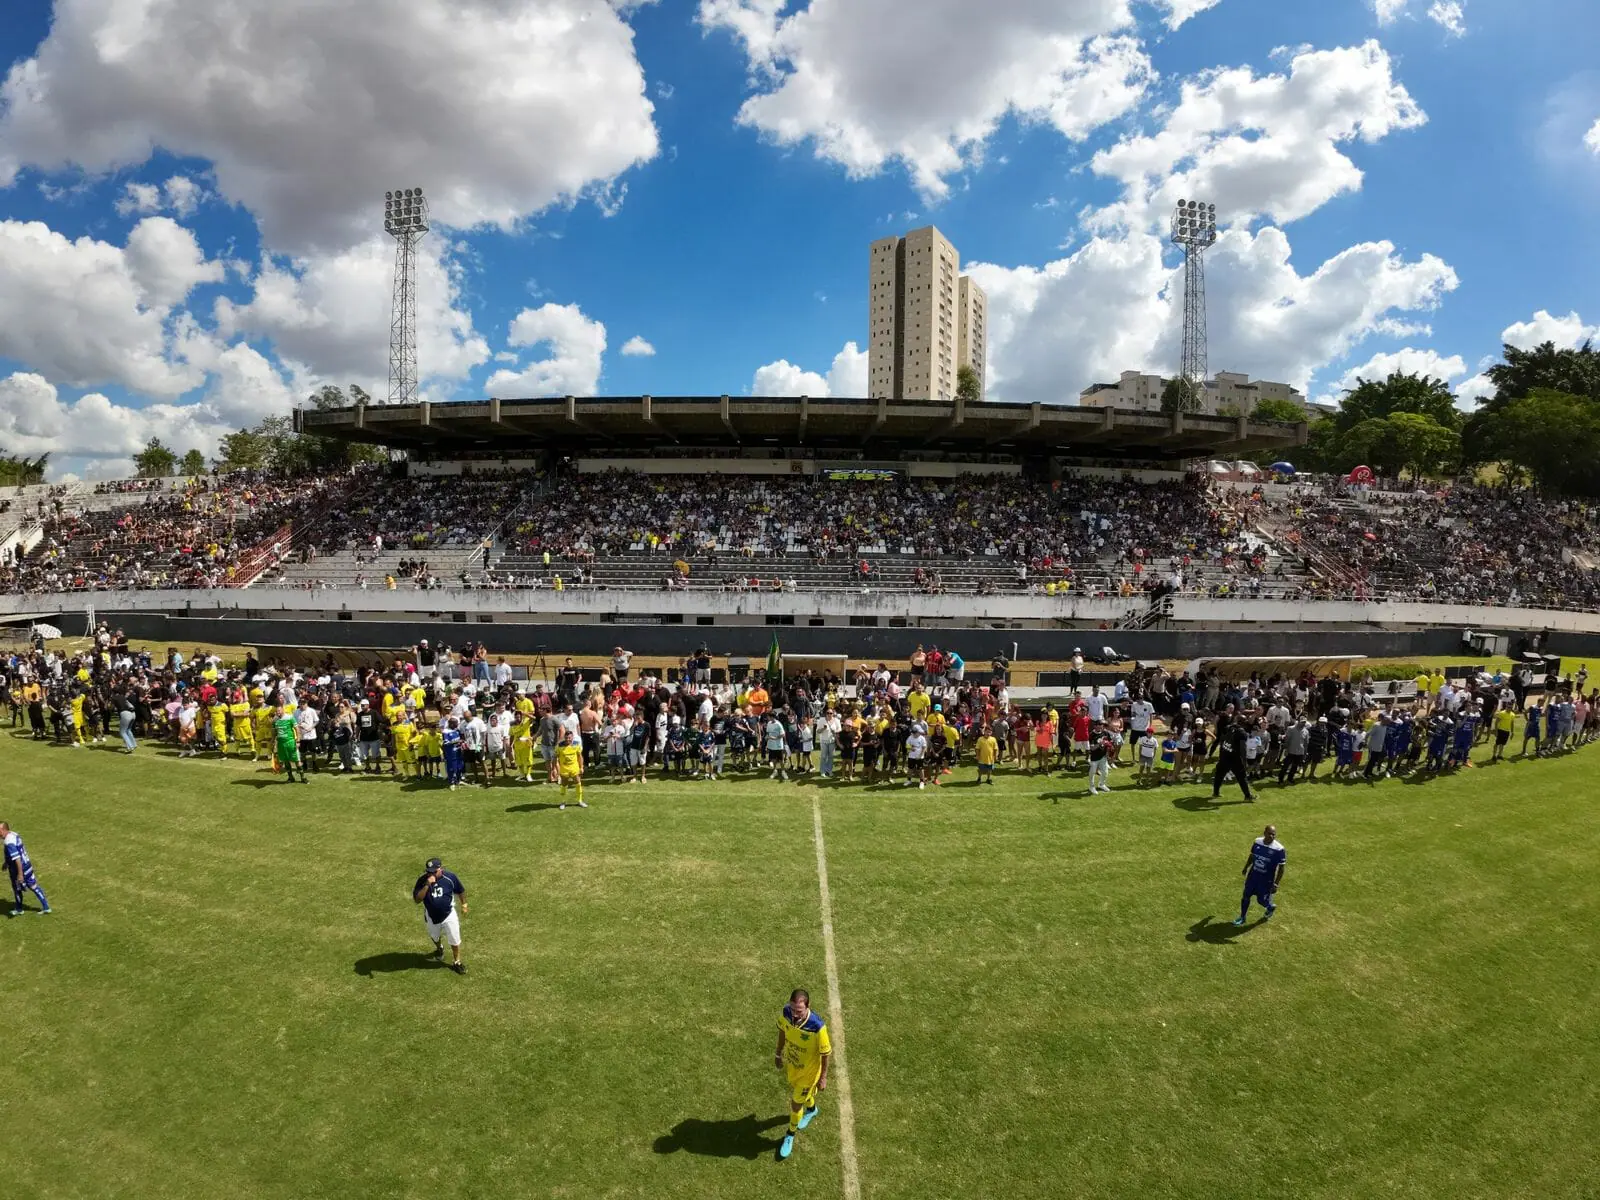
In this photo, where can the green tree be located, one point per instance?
(246, 450)
(1229, 409)
(1554, 436)
(1422, 444)
(1573, 372)
(193, 463)
(155, 461)
(1180, 394)
(358, 394)
(1421, 394)
(19, 470)
(969, 389)
(1275, 408)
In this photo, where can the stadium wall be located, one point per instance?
(671, 642)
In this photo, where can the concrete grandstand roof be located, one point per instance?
(613, 424)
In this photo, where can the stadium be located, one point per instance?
(1094, 579)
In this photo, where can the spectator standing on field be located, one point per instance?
(436, 891)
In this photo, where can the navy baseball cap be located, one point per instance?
(434, 864)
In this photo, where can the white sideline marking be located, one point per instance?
(841, 1078)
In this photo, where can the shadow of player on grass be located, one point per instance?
(396, 960)
(1221, 933)
(739, 1138)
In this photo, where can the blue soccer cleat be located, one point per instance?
(1238, 920)
(787, 1147)
(1271, 908)
(805, 1117)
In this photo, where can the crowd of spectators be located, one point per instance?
(972, 534)
(1467, 545)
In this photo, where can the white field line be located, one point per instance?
(837, 1073)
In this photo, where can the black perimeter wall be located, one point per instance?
(671, 642)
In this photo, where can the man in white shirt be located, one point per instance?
(305, 731)
(1119, 693)
(1097, 705)
(1140, 712)
(473, 736)
(917, 757)
(502, 673)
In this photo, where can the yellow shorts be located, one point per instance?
(803, 1090)
(569, 778)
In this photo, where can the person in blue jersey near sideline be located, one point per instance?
(455, 768)
(1263, 872)
(1466, 732)
(20, 868)
(1533, 722)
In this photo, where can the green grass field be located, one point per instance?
(1042, 992)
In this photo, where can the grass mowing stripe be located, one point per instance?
(847, 1115)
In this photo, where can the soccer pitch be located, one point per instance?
(1042, 992)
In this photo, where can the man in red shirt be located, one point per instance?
(1078, 712)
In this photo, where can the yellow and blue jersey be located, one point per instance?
(805, 1043)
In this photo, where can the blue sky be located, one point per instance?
(192, 192)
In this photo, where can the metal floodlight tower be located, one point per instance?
(1194, 227)
(405, 218)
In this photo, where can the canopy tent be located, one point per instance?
(1242, 668)
(794, 664)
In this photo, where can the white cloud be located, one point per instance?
(846, 377)
(783, 378)
(1388, 11)
(575, 346)
(1592, 138)
(307, 111)
(86, 312)
(865, 84)
(1260, 145)
(1409, 361)
(637, 347)
(331, 312)
(1111, 306)
(1566, 332)
(34, 420)
(180, 195)
(1448, 15)
(1473, 391)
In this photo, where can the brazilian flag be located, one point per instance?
(774, 659)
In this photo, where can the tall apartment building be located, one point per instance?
(927, 320)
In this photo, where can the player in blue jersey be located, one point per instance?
(1533, 722)
(1398, 743)
(1466, 733)
(20, 867)
(1263, 872)
(436, 891)
(1440, 727)
(454, 762)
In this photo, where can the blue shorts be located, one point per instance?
(1259, 888)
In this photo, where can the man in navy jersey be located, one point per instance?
(1263, 872)
(20, 868)
(436, 891)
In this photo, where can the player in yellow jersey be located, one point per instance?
(262, 716)
(77, 720)
(802, 1055)
(244, 731)
(985, 751)
(218, 712)
(405, 743)
(430, 747)
(522, 747)
(569, 766)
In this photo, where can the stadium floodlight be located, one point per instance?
(1194, 227)
(405, 218)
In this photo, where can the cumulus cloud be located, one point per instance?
(499, 108)
(574, 347)
(85, 312)
(179, 195)
(1112, 306)
(35, 420)
(1266, 145)
(637, 347)
(846, 377)
(1566, 332)
(1409, 361)
(1592, 138)
(863, 83)
(331, 312)
(1449, 16)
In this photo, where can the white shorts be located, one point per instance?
(449, 928)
